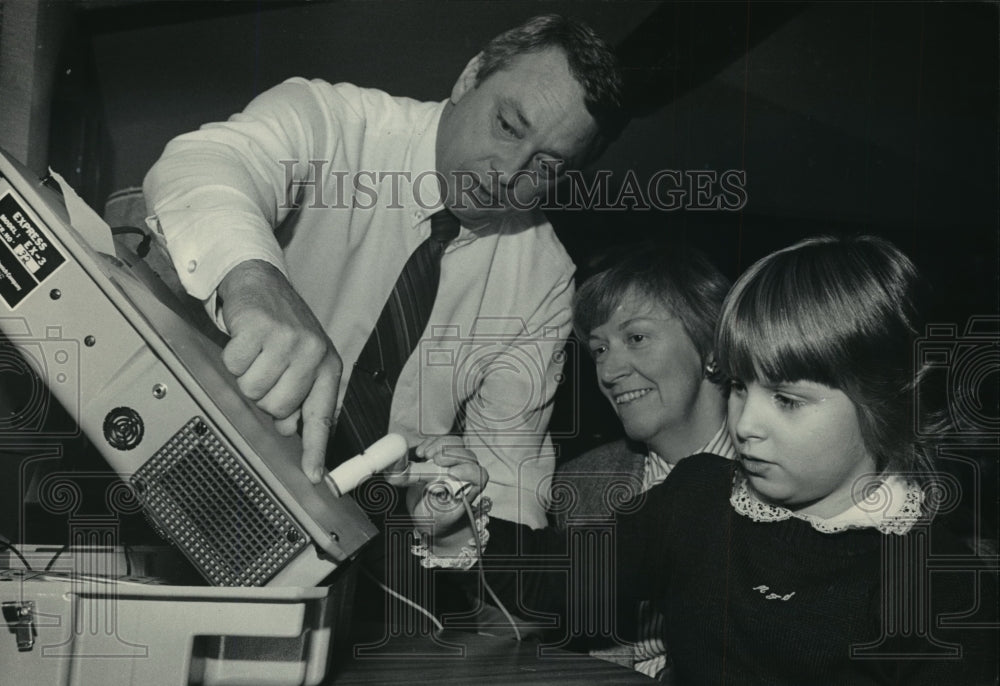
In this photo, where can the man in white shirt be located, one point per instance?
(293, 221)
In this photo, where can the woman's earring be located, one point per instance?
(711, 369)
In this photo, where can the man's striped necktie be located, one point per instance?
(364, 417)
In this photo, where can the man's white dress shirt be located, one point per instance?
(360, 166)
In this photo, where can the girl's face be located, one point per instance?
(648, 368)
(800, 444)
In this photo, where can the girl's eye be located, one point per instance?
(738, 387)
(786, 402)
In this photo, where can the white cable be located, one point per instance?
(379, 456)
(400, 596)
(482, 573)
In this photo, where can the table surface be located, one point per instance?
(457, 657)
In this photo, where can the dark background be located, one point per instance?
(858, 117)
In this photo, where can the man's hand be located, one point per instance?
(282, 358)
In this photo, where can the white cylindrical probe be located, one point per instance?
(381, 454)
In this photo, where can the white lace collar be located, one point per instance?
(892, 508)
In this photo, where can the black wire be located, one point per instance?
(63, 549)
(55, 557)
(147, 238)
(8, 545)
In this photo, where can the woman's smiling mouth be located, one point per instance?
(630, 396)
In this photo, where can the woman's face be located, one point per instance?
(800, 444)
(648, 368)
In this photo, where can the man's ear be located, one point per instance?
(467, 79)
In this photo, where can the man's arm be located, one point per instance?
(506, 420)
(217, 194)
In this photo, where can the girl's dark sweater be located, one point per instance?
(765, 603)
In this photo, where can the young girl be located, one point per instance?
(807, 561)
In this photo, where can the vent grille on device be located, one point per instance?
(208, 503)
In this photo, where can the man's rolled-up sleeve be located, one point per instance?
(217, 194)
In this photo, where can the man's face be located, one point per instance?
(502, 144)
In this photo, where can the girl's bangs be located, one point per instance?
(773, 330)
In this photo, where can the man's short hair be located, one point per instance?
(591, 62)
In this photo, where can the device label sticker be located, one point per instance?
(28, 256)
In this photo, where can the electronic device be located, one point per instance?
(80, 630)
(152, 394)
